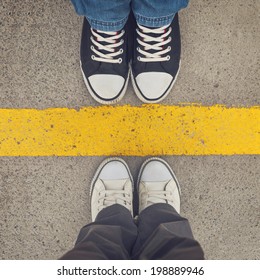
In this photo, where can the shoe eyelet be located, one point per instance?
(169, 48)
(92, 47)
(168, 57)
(170, 38)
(120, 60)
(93, 57)
(139, 58)
(122, 41)
(121, 51)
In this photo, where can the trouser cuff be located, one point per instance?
(154, 22)
(107, 26)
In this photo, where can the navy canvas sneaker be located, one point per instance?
(156, 61)
(105, 63)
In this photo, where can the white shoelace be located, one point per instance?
(108, 44)
(110, 197)
(154, 43)
(159, 197)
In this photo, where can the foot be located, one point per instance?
(112, 184)
(156, 61)
(104, 63)
(157, 183)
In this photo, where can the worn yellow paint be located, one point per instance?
(126, 130)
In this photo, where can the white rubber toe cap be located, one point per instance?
(106, 86)
(156, 171)
(114, 170)
(153, 85)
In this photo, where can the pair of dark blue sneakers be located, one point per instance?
(150, 56)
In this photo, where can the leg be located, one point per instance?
(113, 233)
(157, 48)
(110, 237)
(108, 15)
(163, 233)
(156, 13)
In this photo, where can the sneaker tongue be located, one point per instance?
(114, 184)
(105, 35)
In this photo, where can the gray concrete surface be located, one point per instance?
(44, 201)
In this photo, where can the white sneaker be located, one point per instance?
(112, 184)
(157, 183)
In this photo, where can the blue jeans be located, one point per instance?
(111, 15)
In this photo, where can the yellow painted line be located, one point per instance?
(131, 131)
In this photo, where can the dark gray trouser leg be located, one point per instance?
(110, 237)
(164, 234)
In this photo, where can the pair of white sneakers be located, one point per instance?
(113, 184)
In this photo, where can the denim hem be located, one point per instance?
(107, 25)
(154, 21)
